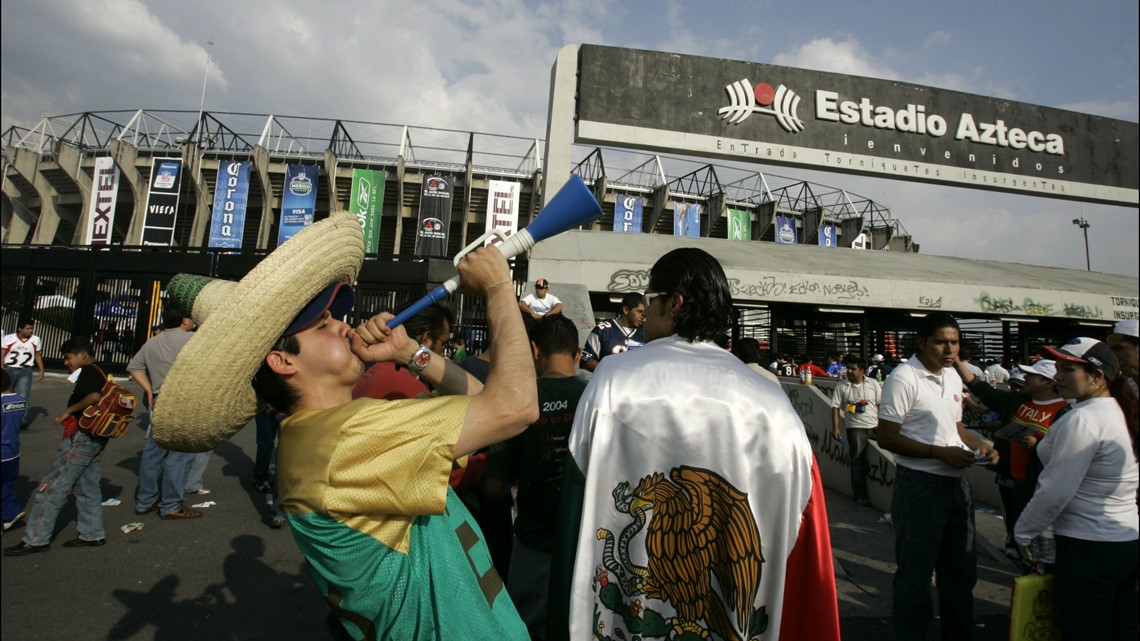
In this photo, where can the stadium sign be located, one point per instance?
(712, 107)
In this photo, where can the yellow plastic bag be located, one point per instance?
(1031, 613)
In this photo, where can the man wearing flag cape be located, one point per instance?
(692, 504)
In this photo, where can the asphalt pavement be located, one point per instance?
(228, 575)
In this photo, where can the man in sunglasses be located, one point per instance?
(687, 466)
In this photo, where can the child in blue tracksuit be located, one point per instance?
(15, 408)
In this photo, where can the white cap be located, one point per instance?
(1127, 328)
(1043, 367)
(877, 358)
(1017, 376)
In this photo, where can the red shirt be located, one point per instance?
(387, 382)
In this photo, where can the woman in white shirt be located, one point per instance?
(1088, 492)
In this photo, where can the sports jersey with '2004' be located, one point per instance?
(393, 549)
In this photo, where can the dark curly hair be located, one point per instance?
(707, 311)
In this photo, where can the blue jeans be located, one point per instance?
(934, 531)
(75, 469)
(198, 465)
(22, 381)
(172, 467)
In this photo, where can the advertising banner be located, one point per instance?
(366, 200)
(739, 224)
(162, 201)
(627, 213)
(104, 193)
(827, 234)
(686, 219)
(862, 241)
(435, 215)
(231, 195)
(503, 206)
(786, 233)
(298, 200)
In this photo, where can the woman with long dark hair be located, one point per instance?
(1088, 492)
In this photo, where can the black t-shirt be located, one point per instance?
(536, 458)
(90, 381)
(787, 369)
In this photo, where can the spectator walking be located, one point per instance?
(15, 407)
(920, 421)
(857, 401)
(162, 472)
(20, 353)
(75, 468)
(1087, 493)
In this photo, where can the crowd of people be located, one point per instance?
(421, 480)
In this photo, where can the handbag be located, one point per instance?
(1032, 616)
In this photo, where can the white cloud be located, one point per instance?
(938, 39)
(846, 56)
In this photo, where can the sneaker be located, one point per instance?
(84, 543)
(200, 491)
(23, 549)
(183, 511)
(8, 524)
(277, 523)
(146, 510)
(265, 487)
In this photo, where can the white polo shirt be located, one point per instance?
(928, 406)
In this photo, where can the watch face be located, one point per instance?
(421, 358)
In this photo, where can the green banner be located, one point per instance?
(739, 224)
(366, 201)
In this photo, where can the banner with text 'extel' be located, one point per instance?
(503, 206)
(162, 201)
(231, 196)
(104, 193)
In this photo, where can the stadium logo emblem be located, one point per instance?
(301, 185)
(433, 225)
(746, 99)
(435, 183)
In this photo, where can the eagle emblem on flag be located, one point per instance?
(696, 526)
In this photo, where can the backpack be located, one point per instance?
(112, 414)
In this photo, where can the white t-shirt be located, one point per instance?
(21, 353)
(541, 306)
(848, 394)
(1088, 488)
(928, 406)
(997, 374)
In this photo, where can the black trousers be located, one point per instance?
(1097, 589)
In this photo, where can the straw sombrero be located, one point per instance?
(207, 397)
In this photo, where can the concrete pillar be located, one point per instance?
(261, 174)
(401, 171)
(193, 160)
(70, 160)
(27, 164)
(331, 162)
(560, 121)
(19, 209)
(126, 157)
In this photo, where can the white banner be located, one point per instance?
(104, 192)
(503, 206)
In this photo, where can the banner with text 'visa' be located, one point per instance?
(826, 234)
(366, 201)
(739, 224)
(686, 219)
(298, 200)
(503, 206)
(627, 213)
(162, 201)
(786, 233)
(435, 215)
(231, 196)
(104, 193)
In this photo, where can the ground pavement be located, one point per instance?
(228, 576)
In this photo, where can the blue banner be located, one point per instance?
(298, 200)
(627, 213)
(786, 233)
(231, 195)
(827, 234)
(686, 219)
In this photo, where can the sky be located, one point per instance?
(484, 66)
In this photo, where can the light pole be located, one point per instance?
(1084, 225)
(202, 104)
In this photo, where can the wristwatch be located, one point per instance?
(420, 359)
